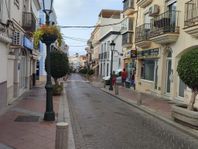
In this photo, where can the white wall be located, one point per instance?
(3, 62)
(16, 12)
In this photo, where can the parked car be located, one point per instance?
(118, 77)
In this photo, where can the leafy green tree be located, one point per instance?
(59, 64)
(188, 72)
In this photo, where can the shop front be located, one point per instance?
(147, 70)
(130, 61)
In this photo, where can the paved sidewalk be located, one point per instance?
(22, 125)
(153, 105)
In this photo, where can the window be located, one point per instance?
(147, 70)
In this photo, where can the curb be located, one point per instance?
(64, 116)
(153, 113)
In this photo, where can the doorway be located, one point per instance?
(168, 72)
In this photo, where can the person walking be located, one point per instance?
(124, 76)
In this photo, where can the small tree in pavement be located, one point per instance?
(188, 72)
(59, 65)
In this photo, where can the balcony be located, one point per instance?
(142, 36)
(164, 28)
(127, 39)
(128, 7)
(143, 3)
(127, 25)
(191, 18)
(29, 22)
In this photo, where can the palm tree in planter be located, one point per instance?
(188, 72)
(59, 68)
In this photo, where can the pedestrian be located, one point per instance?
(113, 78)
(124, 76)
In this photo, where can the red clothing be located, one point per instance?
(124, 74)
(113, 80)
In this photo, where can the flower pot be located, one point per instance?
(48, 38)
(180, 113)
(57, 89)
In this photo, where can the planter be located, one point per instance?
(180, 113)
(48, 39)
(57, 89)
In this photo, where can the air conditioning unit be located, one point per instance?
(154, 10)
(17, 38)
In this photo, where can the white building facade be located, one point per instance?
(106, 36)
(17, 55)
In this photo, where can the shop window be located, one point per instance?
(147, 70)
(182, 87)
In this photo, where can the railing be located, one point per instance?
(191, 13)
(142, 32)
(128, 4)
(29, 21)
(166, 22)
(127, 25)
(127, 38)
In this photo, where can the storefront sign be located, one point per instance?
(150, 53)
(27, 43)
(133, 53)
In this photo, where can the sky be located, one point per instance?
(80, 12)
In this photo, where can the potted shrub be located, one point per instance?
(59, 68)
(47, 34)
(188, 72)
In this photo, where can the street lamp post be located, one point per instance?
(49, 113)
(112, 44)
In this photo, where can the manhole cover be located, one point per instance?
(28, 118)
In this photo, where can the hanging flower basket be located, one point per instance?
(48, 39)
(47, 34)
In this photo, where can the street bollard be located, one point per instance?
(139, 99)
(104, 84)
(116, 89)
(61, 135)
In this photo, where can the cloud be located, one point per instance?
(67, 8)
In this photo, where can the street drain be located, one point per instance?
(28, 118)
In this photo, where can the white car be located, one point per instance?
(118, 78)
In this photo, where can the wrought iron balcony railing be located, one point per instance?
(127, 25)
(142, 32)
(166, 22)
(127, 4)
(29, 22)
(127, 38)
(191, 13)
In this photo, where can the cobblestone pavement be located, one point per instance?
(100, 121)
(22, 125)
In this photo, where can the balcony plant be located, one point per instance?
(47, 34)
(188, 72)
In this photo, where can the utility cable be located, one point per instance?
(92, 26)
(75, 38)
(77, 45)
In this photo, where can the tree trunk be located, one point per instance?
(56, 81)
(192, 100)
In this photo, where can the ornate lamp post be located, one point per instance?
(112, 44)
(49, 113)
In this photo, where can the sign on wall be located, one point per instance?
(149, 53)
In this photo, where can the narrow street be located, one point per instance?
(101, 121)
